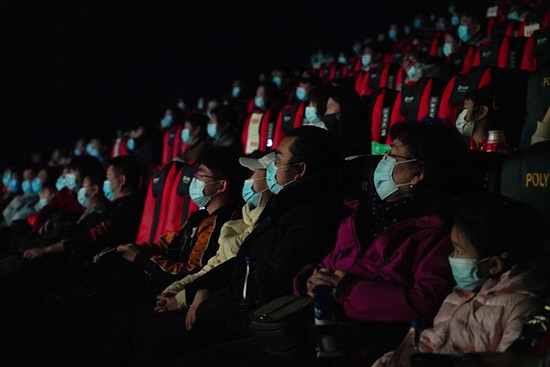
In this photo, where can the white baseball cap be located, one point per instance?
(257, 163)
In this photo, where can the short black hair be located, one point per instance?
(496, 225)
(84, 165)
(129, 167)
(224, 114)
(441, 153)
(224, 164)
(198, 119)
(316, 147)
(96, 175)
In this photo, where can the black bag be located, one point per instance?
(280, 326)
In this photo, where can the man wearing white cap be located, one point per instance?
(256, 194)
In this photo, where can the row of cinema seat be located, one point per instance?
(167, 204)
(391, 101)
(430, 98)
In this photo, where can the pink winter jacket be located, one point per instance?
(404, 275)
(487, 321)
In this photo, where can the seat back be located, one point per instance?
(290, 117)
(172, 143)
(417, 101)
(379, 113)
(153, 204)
(525, 176)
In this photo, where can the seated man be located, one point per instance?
(65, 204)
(91, 197)
(256, 195)
(298, 226)
(214, 189)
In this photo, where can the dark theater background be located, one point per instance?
(89, 67)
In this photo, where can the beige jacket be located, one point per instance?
(232, 235)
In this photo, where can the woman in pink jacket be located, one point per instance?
(498, 247)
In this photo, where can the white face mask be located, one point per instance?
(464, 127)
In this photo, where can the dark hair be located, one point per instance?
(129, 167)
(272, 93)
(224, 114)
(349, 101)
(96, 175)
(84, 165)
(484, 96)
(320, 96)
(224, 164)
(198, 119)
(499, 226)
(315, 147)
(440, 152)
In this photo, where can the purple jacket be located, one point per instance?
(403, 276)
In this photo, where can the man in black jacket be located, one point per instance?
(298, 226)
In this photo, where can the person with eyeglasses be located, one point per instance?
(214, 189)
(297, 226)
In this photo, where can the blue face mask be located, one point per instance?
(83, 199)
(196, 192)
(13, 186)
(301, 94)
(271, 179)
(41, 204)
(26, 187)
(186, 136)
(212, 130)
(413, 70)
(417, 23)
(366, 59)
(6, 178)
(451, 9)
(463, 33)
(356, 48)
(92, 151)
(109, 194)
(36, 185)
(249, 195)
(236, 91)
(77, 153)
(342, 59)
(70, 181)
(392, 34)
(259, 102)
(130, 144)
(455, 21)
(277, 80)
(447, 49)
(181, 105)
(311, 115)
(383, 177)
(407, 30)
(465, 273)
(167, 121)
(513, 16)
(60, 183)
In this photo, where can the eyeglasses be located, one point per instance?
(200, 176)
(388, 154)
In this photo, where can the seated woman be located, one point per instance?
(498, 246)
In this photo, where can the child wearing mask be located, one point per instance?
(498, 244)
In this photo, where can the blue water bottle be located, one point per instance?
(325, 316)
